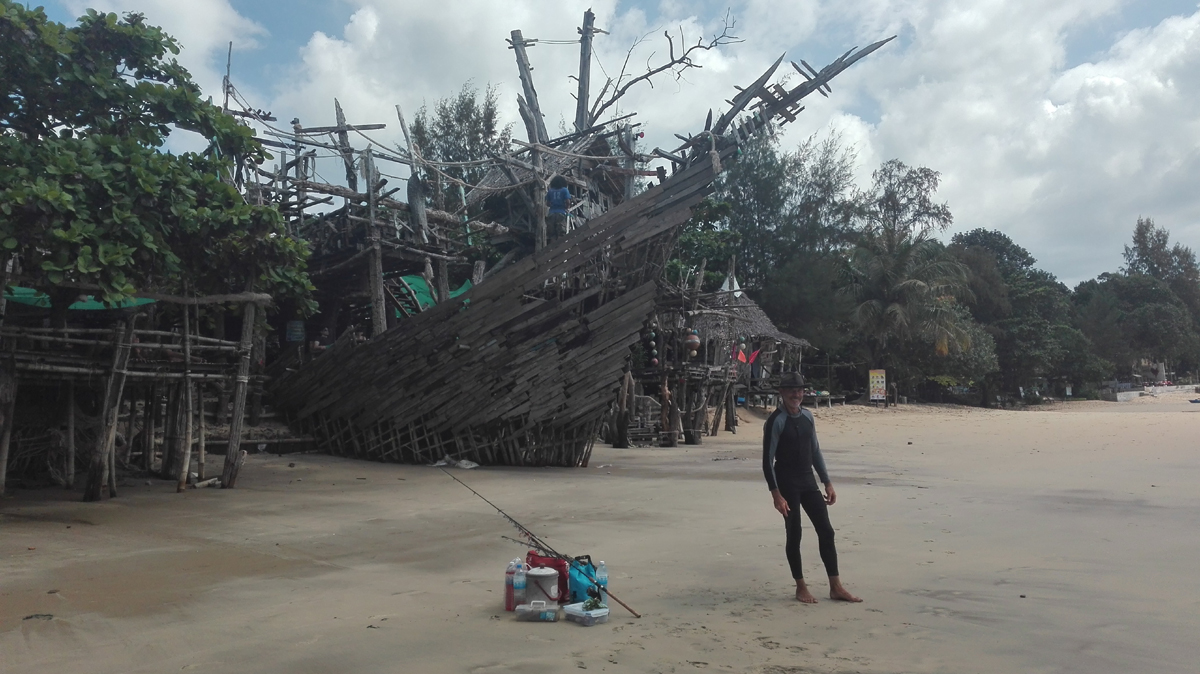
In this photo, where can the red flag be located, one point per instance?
(741, 355)
(754, 355)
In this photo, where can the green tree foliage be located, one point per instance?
(87, 197)
(759, 189)
(964, 363)
(1152, 255)
(704, 238)
(462, 128)
(1028, 313)
(1135, 317)
(898, 272)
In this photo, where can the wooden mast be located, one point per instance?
(582, 120)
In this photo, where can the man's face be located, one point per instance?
(792, 397)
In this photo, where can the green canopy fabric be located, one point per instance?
(35, 298)
(424, 295)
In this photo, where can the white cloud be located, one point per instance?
(1063, 159)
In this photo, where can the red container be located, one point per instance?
(564, 583)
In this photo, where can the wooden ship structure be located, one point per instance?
(524, 366)
(423, 347)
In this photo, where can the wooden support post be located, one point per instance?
(375, 268)
(69, 471)
(731, 411)
(8, 403)
(582, 120)
(539, 204)
(185, 464)
(109, 410)
(416, 193)
(674, 419)
(234, 457)
(200, 448)
(170, 452)
(343, 143)
(427, 274)
(621, 422)
(443, 281)
(664, 416)
(147, 438)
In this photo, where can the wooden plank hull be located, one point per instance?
(517, 371)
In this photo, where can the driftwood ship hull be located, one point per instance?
(519, 370)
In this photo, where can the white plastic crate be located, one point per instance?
(575, 613)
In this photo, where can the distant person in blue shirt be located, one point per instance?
(790, 455)
(558, 198)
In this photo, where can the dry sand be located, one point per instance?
(1057, 540)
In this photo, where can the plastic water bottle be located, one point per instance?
(519, 584)
(510, 598)
(602, 581)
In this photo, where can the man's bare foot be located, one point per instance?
(839, 593)
(803, 595)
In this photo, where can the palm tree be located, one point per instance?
(897, 272)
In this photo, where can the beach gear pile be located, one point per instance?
(536, 588)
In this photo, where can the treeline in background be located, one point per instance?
(863, 275)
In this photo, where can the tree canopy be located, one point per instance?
(88, 196)
(863, 274)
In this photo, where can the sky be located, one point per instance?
(1058, 123)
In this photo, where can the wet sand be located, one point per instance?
(1088, 510)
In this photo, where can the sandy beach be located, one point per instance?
(1057, 540)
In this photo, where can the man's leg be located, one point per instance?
(818, 513)
(792, 545)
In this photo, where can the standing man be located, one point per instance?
(790, 453)
(558, 199)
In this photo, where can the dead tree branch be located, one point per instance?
(677, 64)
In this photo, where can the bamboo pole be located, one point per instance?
(375, 268)
(582, 120)
(234, 458)
(200, 448)
(186, 463)
(8, 398)
(97, 478)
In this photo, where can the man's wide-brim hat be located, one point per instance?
(791, 380)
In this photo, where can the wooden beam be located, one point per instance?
(343, 145)
(341, 129)
(582, 120)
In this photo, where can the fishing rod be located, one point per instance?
(541, 546)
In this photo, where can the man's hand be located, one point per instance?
(781, 503)
(830, 494)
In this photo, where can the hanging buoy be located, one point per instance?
(693, 354)
(654, 362)
(692, 342)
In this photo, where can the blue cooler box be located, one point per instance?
(578, 582)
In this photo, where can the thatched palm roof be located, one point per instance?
(731, 315)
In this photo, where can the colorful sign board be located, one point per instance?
(878, 381)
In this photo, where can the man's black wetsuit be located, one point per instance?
(790, 453)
